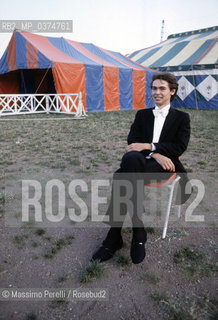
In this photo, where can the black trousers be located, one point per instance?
(128, 183)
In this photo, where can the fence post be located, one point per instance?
(47, 104)
(80, 110)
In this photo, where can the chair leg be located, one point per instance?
(171, 187)
(168, 212)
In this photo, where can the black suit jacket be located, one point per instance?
(174, 136)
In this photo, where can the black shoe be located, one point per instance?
(137, 251)
(106, 252)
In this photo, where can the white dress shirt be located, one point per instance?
(159, 122)
(159, 119)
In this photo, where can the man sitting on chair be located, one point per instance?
(157, 138)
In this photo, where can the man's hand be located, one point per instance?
(138, 147)
(165, 162)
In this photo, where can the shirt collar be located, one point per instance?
(166, 108)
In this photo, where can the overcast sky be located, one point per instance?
(119, 25)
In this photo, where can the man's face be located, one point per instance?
(161, 93)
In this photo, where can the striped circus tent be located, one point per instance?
(107, 80)
(193, 58)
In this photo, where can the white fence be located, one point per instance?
(70, 103)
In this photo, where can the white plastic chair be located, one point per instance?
(170, 184)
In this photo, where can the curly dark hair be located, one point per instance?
(170, 78)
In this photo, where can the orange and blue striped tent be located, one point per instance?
(108, 80)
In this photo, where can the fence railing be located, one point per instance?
(70, 103)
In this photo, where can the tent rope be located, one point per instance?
(42, 80)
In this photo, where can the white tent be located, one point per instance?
(193, 58)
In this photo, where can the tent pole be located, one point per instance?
(23, 81)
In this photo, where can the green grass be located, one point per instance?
(31, 316)
(47, 238)
(194, 262)
(59, 244)
(188, 307)
(127, 230)
(20, 240)
(40, 232)
(150, 277)
(64, 241)
(2, 198)
(109, 131)
(56, 303)
(177, 234)
(74, 162)
(34, 244)
(62, 279)
(93, 271)
(150, 230)
(122, 260)
(179, 313)
(160, 297)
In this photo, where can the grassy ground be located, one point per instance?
(176, 281)
(87, 144)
